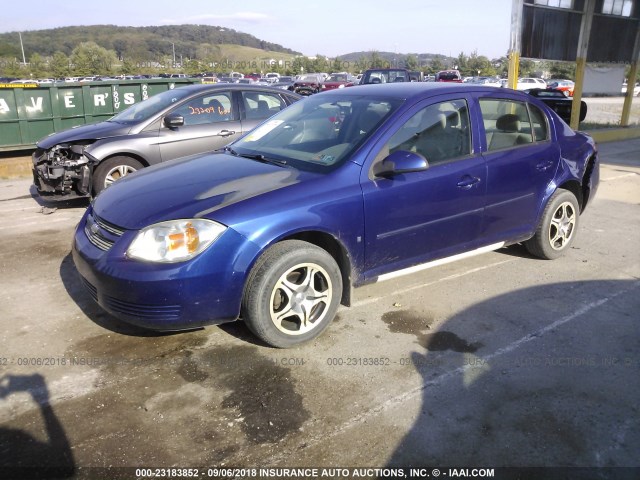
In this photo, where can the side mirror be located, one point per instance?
(400, 162)
(173, 120)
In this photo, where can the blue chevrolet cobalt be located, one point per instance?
(343, 188)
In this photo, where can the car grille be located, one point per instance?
(93, 291)
(147, 312)
(150, 312)
(101, 233)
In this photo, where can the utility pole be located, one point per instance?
(24, 60)
(173, 47)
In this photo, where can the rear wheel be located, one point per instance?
(557, 228)
(112, 170)
(292, 294)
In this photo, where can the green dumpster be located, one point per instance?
(29, 112)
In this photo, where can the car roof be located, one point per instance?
(406, 90)
(199, 87)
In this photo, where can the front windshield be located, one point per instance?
(147, 108)
(317, 133)
(338, 78)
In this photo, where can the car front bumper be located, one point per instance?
(176, 296)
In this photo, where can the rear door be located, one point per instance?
(521, 164)
(257, 105)
(211, 121)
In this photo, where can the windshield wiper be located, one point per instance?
(257, 156)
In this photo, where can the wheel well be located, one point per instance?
(337, 251)
(586, 181)
(574, 187)
(130, 155)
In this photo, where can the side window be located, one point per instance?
(539, 123)
(506, 123)
(207, 109)
(439, 132)
(260, 105)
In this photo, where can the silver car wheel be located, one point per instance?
(300, 299)
(562, 226)
(116, 173)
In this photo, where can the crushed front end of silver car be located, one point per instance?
(62, 170)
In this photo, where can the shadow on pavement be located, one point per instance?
(21, 454)
(562, 396)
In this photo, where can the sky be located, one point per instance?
(326, 27)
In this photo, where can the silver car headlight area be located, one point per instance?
(175, 240)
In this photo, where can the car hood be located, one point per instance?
(191, 187)
(93, 131)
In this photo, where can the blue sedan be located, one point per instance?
(344, 188)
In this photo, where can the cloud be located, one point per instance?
(239, 17)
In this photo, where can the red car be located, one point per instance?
(338, 80)
(307, 84)
(449, 76)
(565, 86)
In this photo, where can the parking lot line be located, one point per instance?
(369, 301)
(408, 395)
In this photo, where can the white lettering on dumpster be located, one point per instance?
(68, 101)
(4, 107)
(100, 100)
(129, 99)
(36, 104)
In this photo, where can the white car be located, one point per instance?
(530, 82)
(636, 89)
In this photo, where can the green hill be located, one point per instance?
(136, 43)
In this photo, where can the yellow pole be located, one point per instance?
(628, 98)
(514, 65)
(577, 93)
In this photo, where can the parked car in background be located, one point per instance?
(284, 82)
(307, 84)
(565, 86)
(486, 81)
(449, 76)
(84, 160)
(558, 102)
(530, 82)
(272, 77)
(338, 80)
(636, 89)
(351, 186)
(375, 76)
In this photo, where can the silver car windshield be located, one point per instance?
(152, 106)
(319, 132)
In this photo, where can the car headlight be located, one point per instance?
(174, 241)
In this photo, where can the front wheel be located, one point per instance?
(557, 228)
(111, 170)
(292, 293)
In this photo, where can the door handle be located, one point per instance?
(542, 166)
(467, 182)
(225, 133)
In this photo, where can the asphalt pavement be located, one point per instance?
(500, 360)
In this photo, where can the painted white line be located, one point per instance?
(410, 394)
(20, 209)
(368, 301)
(626, 175)
(441, 261)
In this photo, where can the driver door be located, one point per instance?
(416, 217)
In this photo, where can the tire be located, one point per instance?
(108, 171)
(292, 294)
(557, 228)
